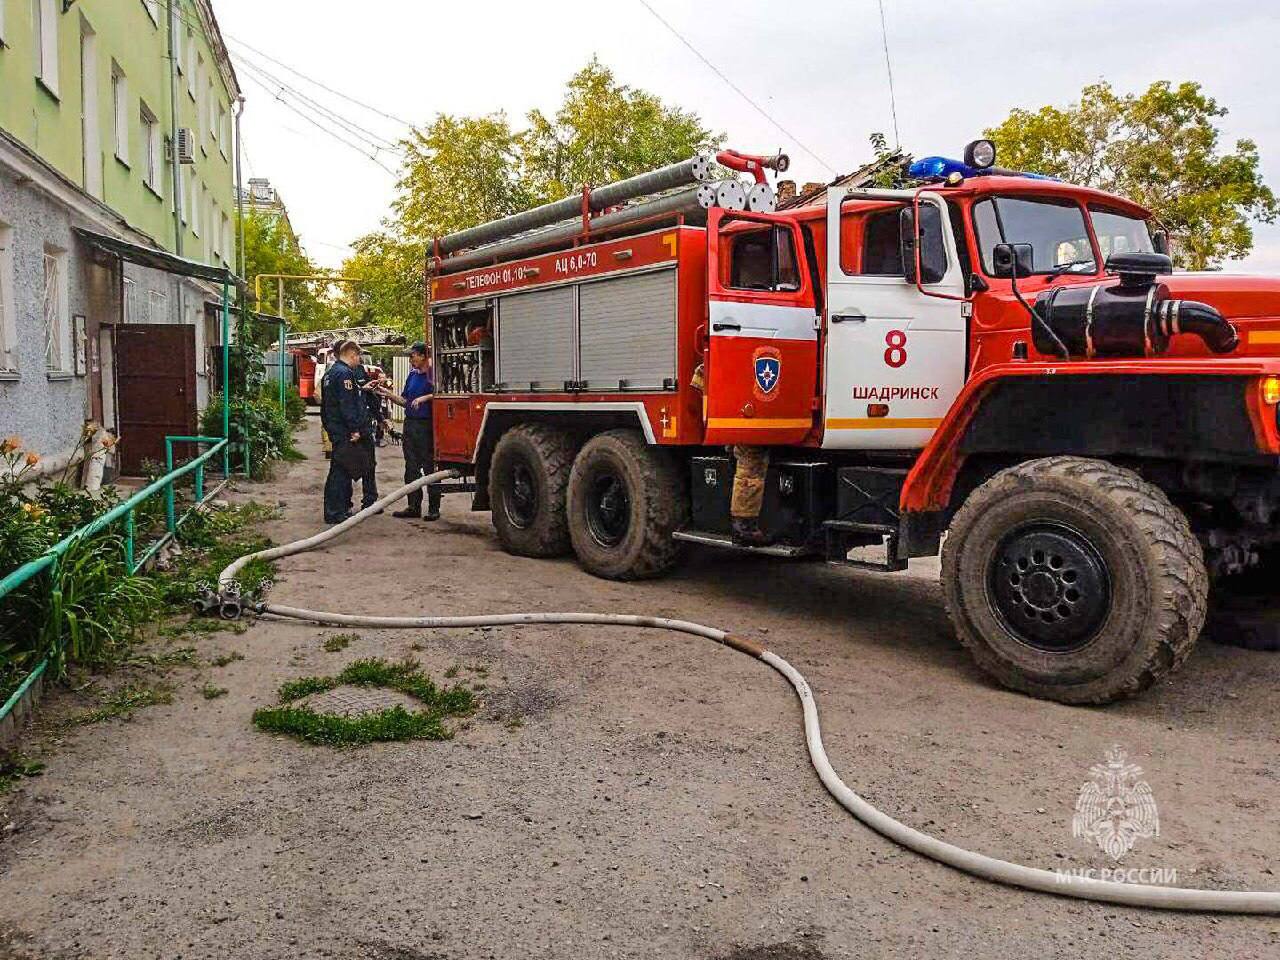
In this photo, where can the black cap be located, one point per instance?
(420, 348)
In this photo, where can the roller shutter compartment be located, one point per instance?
(628, 332)
(535, 339)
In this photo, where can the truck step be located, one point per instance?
(726, 543)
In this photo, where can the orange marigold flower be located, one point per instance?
(10, 444)
(32, 459)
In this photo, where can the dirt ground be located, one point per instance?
(625, 793)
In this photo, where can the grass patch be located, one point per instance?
(123, 702)
(210, 692)
(226, 658)
(339, 642)
(15, 767)
(182, 656)
(394, 723)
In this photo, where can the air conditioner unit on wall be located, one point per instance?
(186, 145)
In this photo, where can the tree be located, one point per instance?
(463, 171)
(270, 246)
(604, 131)
(1159, 148)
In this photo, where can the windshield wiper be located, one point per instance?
(1062, 268)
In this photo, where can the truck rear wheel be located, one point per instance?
(1074, 580)
(626, 498)
(528, 477)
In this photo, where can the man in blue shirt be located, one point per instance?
(419, 441)
(345, 417)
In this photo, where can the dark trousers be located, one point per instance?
(369, 480)
(419, 460)
(337, 487)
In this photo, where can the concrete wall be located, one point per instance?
(47, 410)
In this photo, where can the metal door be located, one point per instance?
(761, 371)
(155, 366)
(895, 354)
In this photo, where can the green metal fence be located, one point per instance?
(124, 511)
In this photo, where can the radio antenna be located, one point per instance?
(888, 66)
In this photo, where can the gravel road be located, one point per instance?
(624, 793)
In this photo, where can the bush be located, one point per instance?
(268, 431)
(295, 408)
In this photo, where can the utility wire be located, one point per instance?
(299, 73)
(733, 86)
(380, 143)
(320, 126)
(888, 66)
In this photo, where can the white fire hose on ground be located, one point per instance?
(230, 604)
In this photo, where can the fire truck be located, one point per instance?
(992, 365)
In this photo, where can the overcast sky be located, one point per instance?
(816, 66)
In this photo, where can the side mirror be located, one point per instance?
(1160, 241)
(927, 234)
(1013, 260)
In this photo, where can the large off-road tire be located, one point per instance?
(626, 498)
(1074, 580)
(528, 477)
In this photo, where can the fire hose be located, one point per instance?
(229, 603)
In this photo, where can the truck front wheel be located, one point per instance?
(625, 500)
(527, 480)
(1074, 580)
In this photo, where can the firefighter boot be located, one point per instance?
(746, 532)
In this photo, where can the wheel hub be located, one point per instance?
(608, 509)
(1050, 587)
(520, 499)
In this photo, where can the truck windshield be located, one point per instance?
(1055, 229)
(1119, 232)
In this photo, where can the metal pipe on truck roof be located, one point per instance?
(684, 203)
(693, 170)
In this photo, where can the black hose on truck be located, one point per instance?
(1134, 317)
(975, 864)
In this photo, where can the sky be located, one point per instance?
(816, 67)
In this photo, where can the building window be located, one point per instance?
(198, 93)
(195, 208)
(151, 147)
(1, 23)
(57, 328)
(153, 10)
(175, 16)
(215, 231)
(227, 248)
(130, 306)
(120, 102)
(192, 61)
(220, 132)
(46, 40)
(210, 119)
(8, 331)
(184, 195)
(157, 307)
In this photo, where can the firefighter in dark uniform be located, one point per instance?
(345, 417)
(419, 441)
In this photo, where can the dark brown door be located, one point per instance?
(156, 386)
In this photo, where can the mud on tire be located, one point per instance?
(528, 477)
(1074, 580)
(626, 498)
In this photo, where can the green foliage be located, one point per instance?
(210, 692)
(269, 433)
(226, 658)
(270, 246)
(15, 767)
(1159, 148)
(339, 641)
(462, 171)
(394, 723)
(124, 702)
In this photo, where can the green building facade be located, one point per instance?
(117, 118)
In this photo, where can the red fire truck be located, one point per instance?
(995, 365)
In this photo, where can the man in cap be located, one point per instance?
(419, 441)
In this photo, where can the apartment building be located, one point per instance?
(117, 123)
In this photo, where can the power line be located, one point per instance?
(377, 140)
(736, 89)
(888, 66)
(320, 126)
(299, 73)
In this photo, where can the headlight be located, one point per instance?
(980, 154)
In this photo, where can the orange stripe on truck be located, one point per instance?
(884, 423)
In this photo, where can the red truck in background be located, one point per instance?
(994, 365)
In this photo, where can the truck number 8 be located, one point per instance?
(896, 355)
